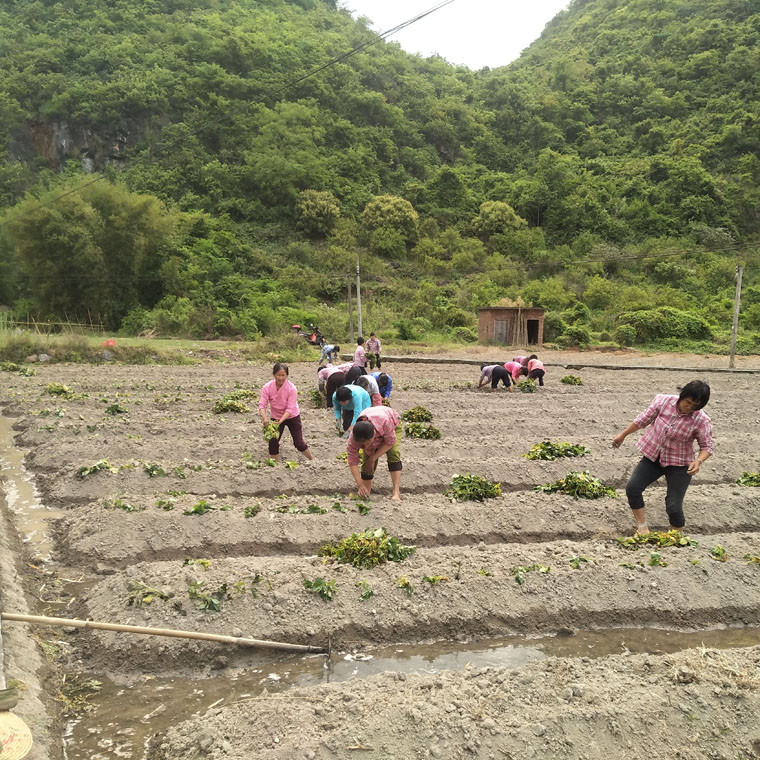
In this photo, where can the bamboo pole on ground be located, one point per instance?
(93, 625)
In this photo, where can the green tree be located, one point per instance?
(317, 211)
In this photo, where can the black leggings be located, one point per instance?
(335, 381)
(499, 373)
(677, 479)
(537, 374)
(294, 425)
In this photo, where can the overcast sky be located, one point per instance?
(475, 33)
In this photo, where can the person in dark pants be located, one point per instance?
(334, 381)
(668, 449)
(536, 369)
(354, 373)
(281, 397)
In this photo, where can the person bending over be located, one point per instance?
(370, 385)
(329, 352)
(349, 402)
(384, 383)
(376, 432)
(667, 448)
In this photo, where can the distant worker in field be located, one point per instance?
(360, 355)
(384, 383)
(516, 370)
(376, 432)
(330, 353)
(668, 449)
(370, 385)
(280, 396)
(494, 373)
(335, 380)
(349, 402)
(520, 359)
(373, 348)
(536, 369)
(323, 375)
(353, 373)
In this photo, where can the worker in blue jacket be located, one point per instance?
(349, 401)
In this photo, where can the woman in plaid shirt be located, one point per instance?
(668, 449)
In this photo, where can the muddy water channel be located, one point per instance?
(124, 718)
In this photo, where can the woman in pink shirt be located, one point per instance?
(515, 370)
(281, 397)
(536, 369)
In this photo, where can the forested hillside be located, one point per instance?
(611, 174)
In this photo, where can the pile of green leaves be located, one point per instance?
(578, 485)
(656, 538)
(271, 431)
(422, 430)
(317, 398)
(368, 549)
(749, 479)
(521, 571)
(323, 588)
(13, 367)
(526, 386)
(116, 408)
(226, 404)
(549, 451)
(469, 487)
(101, 464)
(58, 389)
(571, 380)
(417, 414)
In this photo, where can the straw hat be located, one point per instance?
(15, 737)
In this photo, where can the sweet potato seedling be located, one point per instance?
(469, 487)
(576, 562)
(141, 593)
(549, 451)
(252, 510)
(403, 582)
(367, 549)
(655, 560)
(200, 508)
(338, 507)
(342, 457)
(208, 600)
(719, 554)
(364, 509)
(153, 470)
(323, 588)
(571, 380)
(99, 466)
(365, 590)
(417, 414)
(317, 398)
(751, 560)
(521, 571)
(115, 409)
(204, 563)
(291, 465)
(579, 485)
(434, 579)
(485, 573)
(271, 431)
(749, 479)
(119, 503)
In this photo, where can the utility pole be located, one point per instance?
(350, 308)
(735, 326)
(358, 296)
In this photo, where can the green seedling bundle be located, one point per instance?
(271, 431)
(579, 485)
(422, 430)
(549, 451)
(571, 380)
(417, 414)
(657, 538)
(367, 549)
(749, 479)
(234, 402)
(469, 487)
(526, 386)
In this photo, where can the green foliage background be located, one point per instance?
(612, 173)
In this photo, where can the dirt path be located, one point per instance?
(169, 453)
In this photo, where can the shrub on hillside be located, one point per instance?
(554, 326)
(665, 322)
(574, 335)
(625, 335)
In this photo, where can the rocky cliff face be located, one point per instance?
(95, 147)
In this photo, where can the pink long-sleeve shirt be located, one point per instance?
(535, 364)
(514, 369)
(280, 401)
(386, 421)
(360, 357)
(671, 435)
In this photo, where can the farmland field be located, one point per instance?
(147, 478)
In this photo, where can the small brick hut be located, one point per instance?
(511, 325)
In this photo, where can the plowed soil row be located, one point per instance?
(127, 528)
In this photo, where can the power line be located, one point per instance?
(152, 153)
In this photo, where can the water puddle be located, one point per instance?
(125, 718)
(30, 516)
